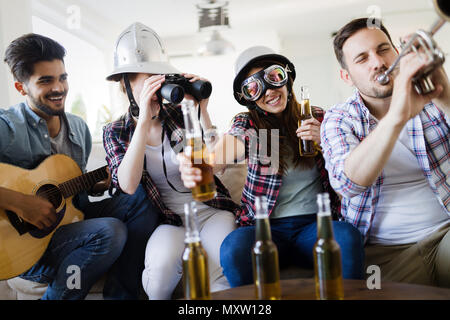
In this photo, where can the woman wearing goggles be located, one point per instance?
(256, 85)
(264, 83)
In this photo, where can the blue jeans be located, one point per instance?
(295, 238)
(122, 247)
(124, 280)
(92, 246)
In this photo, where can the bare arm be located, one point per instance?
(205, 119)
(365, 163)
(204, 115)
(227, 150)
(129, 172)
(130, 169)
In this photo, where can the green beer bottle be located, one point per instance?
(327, 255)
(195, 259)
(266, 271)
(307, 148)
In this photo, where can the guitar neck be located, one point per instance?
(83, 183)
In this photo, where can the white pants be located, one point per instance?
(163, 255)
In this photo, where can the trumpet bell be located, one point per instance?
(424, 41)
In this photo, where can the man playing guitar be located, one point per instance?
(39, 128)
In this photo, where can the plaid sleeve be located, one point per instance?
(241, 128)
(436, 130)
(115, 151)
(339, 138)
(239, 125)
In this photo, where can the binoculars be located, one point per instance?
(176, 86)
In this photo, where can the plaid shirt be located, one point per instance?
(116, 139)
(263, 180)
(346, 125)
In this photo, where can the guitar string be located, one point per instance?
(54, 192)
(64, 187)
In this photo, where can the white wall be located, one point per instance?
(4, 93)
(316, 67)
(15, 20)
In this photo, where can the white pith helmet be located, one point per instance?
(139, 49)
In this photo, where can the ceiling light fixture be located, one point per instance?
(213, 17)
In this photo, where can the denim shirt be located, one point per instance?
(25, 140)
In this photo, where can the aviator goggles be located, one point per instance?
(257, 84)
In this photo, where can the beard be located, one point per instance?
(49, 111)
(46, 108)
(377, 90)
(382, 93)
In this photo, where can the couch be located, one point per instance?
(233, 178)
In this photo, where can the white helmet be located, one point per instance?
(244, 63)
(140, 50)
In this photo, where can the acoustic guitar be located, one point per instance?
(57, 179)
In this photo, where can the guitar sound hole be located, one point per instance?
(51, 193)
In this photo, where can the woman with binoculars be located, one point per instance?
(141, 153)
(264, 84)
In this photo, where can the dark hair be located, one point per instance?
(24, 52)
(350, 29)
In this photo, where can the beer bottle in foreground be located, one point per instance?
(307, 147)
(327, 255)
(200, 156)
(266, 272)
(195, 259)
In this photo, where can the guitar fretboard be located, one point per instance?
(83, 182)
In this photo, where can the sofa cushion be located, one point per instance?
(27, 290)
(6, 292)
(234, 179)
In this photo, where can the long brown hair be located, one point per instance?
(287, 123)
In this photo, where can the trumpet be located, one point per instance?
(424, 40)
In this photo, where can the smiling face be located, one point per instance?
(47, 88)
(367, 54)
(273, 100)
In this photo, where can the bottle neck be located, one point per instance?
(191, 121)
(263, 229)
(305, 108)
(324, 221)
(324, 227)
(192, 233)
(262, 219)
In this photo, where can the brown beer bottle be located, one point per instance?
(201, 157)
(266, 271)
(195, 260)
(327, 255)
(307, 147)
